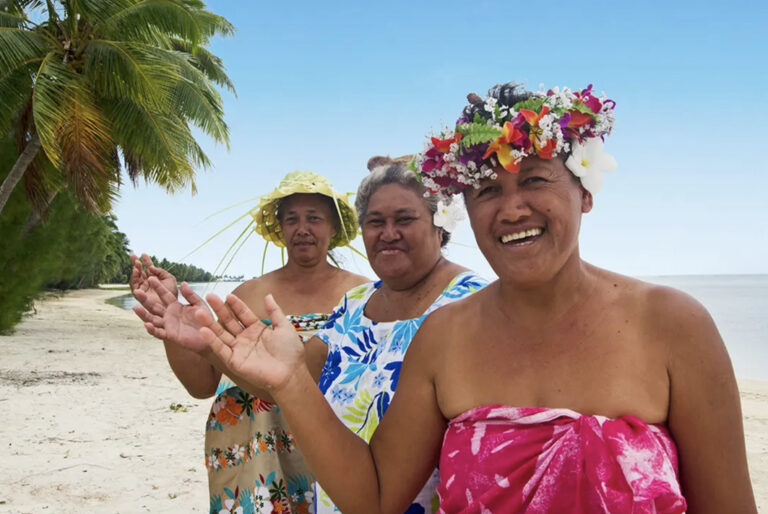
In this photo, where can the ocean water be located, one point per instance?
(739, 306)
(737, 303)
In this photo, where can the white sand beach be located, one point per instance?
(89, 424)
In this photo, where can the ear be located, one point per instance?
(587, 201)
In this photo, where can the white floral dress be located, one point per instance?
(364, 358)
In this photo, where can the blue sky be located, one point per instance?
(324, 86)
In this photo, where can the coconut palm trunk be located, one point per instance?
(17, 172)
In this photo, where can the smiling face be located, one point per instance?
(308, 224)
(400, 240)
(527, 223)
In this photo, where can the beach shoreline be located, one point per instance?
(97, 422)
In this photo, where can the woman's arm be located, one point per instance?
(705, 410)
(383, 477)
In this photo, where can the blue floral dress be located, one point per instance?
(364, 358)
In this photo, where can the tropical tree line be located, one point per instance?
(94, 91)
(71, 248)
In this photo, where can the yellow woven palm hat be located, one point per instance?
(265, 213)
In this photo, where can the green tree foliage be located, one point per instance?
(105, 85)
(184, 272)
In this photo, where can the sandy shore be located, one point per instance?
(89, 427)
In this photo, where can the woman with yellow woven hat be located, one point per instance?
(251, 457)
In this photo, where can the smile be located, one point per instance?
(524, 236)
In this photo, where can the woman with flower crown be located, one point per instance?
(561, 387)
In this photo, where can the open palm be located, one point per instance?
(266, 356)
(164, 316)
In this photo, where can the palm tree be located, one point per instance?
(105, 85)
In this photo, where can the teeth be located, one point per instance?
(521, 235)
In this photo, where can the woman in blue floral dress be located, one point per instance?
(358, 354)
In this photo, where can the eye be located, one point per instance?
(486, 190)
(374, 222)
(403, 220)
(290, 220)
(534, 179)
(315, 218)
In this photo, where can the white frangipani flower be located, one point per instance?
(588, 162)
(449, 213)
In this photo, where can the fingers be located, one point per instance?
(147, 317)
(165, 295)
(138, 276)
(147, 260)
(189, 294)
(216, 345)
(151, 304)
(207, 321)
(241, 311)
(226, 318)
(155, 331)
(275, 313)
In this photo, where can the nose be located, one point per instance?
(514, 206)
(389, 232)
(302, 226)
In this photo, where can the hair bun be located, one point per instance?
(378, 161)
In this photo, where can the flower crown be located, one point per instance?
(557, 122)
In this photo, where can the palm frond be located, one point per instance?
(16, 88)
(11, 20)
(117, 69)
(204, 60)
(41, 181)
(86, 147)
(18, 46)
(54, 82)
(141, 18)
(197, 101)
(154, 144)
(212, 24)
(18, 7)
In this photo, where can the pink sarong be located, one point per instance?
(505, 460)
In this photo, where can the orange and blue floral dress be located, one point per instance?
(253, 464)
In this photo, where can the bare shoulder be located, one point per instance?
(351, 280)
(450, 319)
(666, 314)
(253, 291)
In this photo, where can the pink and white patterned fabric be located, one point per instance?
(503, 460)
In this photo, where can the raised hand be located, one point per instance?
(168, 319)
(143, 269)
(266, 356)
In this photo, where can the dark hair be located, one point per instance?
(387, 171)
(506, 95)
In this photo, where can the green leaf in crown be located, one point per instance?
(477, 132)
(532, 104)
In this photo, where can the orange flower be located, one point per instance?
(444, 145)
(544, 148)
(578, 119)
(230, 412)
(502, 148)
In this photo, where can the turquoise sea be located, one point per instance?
(738, 304)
